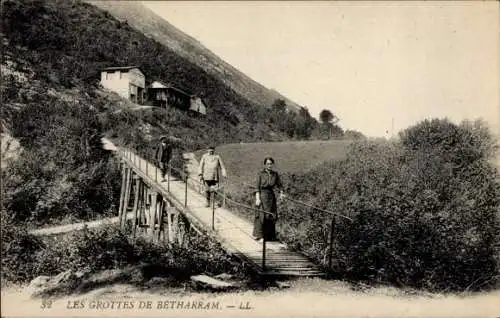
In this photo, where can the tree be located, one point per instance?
(329, 123)
(305, 124)
(279, 105)
(327, 116)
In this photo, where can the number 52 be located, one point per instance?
(46, 303)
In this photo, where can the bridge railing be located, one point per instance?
(332, 214)
(145, 166)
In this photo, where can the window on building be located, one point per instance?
(109, 75)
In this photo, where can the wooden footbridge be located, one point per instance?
(167, 210)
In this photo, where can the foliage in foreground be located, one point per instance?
(425, 210)
(62, 170)
(25, 257)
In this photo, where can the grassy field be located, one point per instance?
(244, 160)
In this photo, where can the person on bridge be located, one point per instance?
(265, 200)
(209, 167)
(163, 155)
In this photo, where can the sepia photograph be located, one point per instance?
(250, 158)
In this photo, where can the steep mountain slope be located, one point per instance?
(145, 20)
(69, 42)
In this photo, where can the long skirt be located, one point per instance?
(264, 225)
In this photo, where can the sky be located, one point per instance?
(378, 66)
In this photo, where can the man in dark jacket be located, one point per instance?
(163, 155)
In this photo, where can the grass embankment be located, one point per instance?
(244, 160)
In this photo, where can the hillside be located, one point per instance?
(146, 21)
(54, 112)
(243, 161)
(68, 43)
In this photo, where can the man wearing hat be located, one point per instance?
(210, 164)
(163, 155)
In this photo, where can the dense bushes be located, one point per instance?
(295, 125)
(425, 209)
(25, 257)
(18, 251)
(62, 171)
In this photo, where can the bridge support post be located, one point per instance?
(137, 198)
(142, 218)
(124, 196)
(128, 186)
(122, 192)
(181, 225)
(170, 237)
(152, 214)
(159, 220)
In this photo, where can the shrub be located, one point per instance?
(62, 170)
(25, 257)
(18, 251)
(425, 209)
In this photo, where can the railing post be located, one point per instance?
(264, 253)
(212, 195)
(332, 229)
(156, 173)
(168, 176)
(186, 190)
(224, 193)
(147, 168)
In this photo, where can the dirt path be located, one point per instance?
(60, 229)
(305, 298)
(108, 144)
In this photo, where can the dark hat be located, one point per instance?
(211, 147)
(163, 138)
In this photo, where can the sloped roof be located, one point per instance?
(165, 85)
(122, 68)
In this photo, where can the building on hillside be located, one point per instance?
(163, 95)
(127, 81)
(130, 82)
(198, 105)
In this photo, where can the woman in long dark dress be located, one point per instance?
(265, 199)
